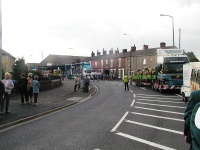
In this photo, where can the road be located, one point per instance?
(114, 119)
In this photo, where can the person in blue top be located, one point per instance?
(36, 86)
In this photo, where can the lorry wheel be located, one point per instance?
(184, 98)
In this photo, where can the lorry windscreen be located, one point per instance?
(173, 68)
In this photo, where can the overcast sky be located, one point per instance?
(53, 26)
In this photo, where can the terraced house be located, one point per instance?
(119, 63)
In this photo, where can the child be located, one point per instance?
(36, 86)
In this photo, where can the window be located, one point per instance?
(111, 63)
(144, 61)
(111, 71)
(119, 62)
(128, 62)
(119, 73)
(101, 70)
(106, 63)
(95, 64)
(101, 63)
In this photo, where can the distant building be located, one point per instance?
(32, 66)
(119, 63)
(7, 61)
(52, 62)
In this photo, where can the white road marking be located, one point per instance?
(160, 105)
(168, 118)
(159, 98)
(144, 141)
(155, 127)
(172, 112)
(131, 91)
(133, 102)
(143, 88)
(134, 95)
(179, 95)
(120, 121)
(158, 101)
(156, 95)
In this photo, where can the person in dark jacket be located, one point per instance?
(195, 127)
(2, 91)
(86, 83)
(22, 84)
(193, 100)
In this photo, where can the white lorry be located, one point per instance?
(190, 78)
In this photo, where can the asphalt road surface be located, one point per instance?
(114, 119)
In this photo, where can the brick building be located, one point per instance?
(119, 63)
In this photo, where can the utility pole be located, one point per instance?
(0, 42)
(179, 38)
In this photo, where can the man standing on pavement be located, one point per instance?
(86, 83)
(23, 82)
(2, 91)
(126, 82)
(75, 83)
(8, 83)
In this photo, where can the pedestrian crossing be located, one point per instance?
(154, 120)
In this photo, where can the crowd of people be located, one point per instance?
(28, 88)
(77, 84)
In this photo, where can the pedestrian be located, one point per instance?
(36, 86)
(8, 83)
(86, 83)
(75, 83)
(126, 82)
(195, 127)
(30, 87)
(78, 82)
(2, 92)
(193, 100)
(70, 76)
(22, 84)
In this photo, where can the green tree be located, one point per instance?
(19, 68)
(192, 57)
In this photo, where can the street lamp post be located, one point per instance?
(130, 49)
(130, 56)
(172, 25)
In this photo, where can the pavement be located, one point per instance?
(48, 102)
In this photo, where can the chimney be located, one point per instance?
(111, 51)
(104, 52)
(133, 48)
(117, 51)
(124, 50)
(162, 45)
(92, 54)
(98, 53)
(145, 47)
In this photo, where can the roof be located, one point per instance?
(150, 51)
(57, 60)
(6, 53)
